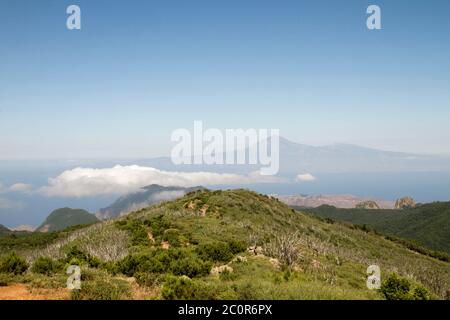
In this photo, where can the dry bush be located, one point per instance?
(101, 240)
(105, 242)
(285, 248)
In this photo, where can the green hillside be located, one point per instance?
(66, 217)
(232, 244)
(427, 224)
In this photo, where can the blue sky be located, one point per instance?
(140, 69)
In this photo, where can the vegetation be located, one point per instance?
(4, 231)
(46, 266)
(214, 244)
(398, 288)
(427, 224)
(63, 218)
(13, 264)
(98, 285)
(30, 240)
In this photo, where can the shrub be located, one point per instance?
(246, 291)
(41, 281)
(175, 260)
(5, 279)
(395, 288)
(398, 288)
(172, 236)
(111, 267)
(237, 246)
(13, 264)
(157, 261)
(75, 256)
(149, 279)
(158, 225)
(420, 293)
(226, 275)
(190, 266)
(153, 265)
(45, 265)
(183, 288)
(217, 251)
(137, 230)
(114, 289)
(130, 264)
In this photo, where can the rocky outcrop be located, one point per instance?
(338, 201)
(405, 203)
(369, 204)
(221, 269)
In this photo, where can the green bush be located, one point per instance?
(398, 288)
(130, 264)
(175, 260)
(5, 279)
(172, 236)
(13, 264)
(183, 288)
(137, 230)
(237, 246)
(420, 293)
(190, 266)
(114, 289)
(155, 262)
(45, 265)
(75, 256)
(246, 291)
(227, 276)
(149, 279)
(158, 225)
(217, 252)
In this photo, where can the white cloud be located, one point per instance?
(9, 204)
(305, 177)
(20, 187)
(83, 182)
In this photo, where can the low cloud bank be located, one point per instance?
(84, 182)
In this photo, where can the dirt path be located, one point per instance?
(21, 292)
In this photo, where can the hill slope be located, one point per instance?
(233, 244)
(64, 218)
(143, 198)
(427, 224)
(4, 230)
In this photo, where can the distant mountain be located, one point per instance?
(338, 201)
(148, 195)
(24, 227)
(298, 158)
(66, 217)
(427, 224)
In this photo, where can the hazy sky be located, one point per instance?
(137, 70)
